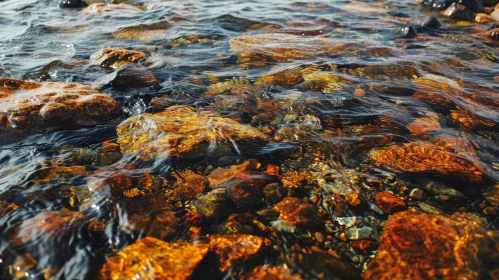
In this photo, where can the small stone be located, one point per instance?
(72, 4)
(283, 226)
(215, 204)
(364, 246)
(347, 221)
(430, 208)
(266, 272)
(130, 76)
(458, 11)
(491, 194)
(319, 237)
(389, 203)
(244, 195)
(490, 211)
(358, 233)
(483, 18)
(440, 189)
(273, 193)
(416, 194)
(426, 22)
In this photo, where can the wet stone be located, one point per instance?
(117, 57)
(151, 258)
(347, 221)
(184, 132)
(359, 233)
(458, 11)
(273, 193)
(389, 203)
(441, 189)
(129, 76)
(25, 104)
(244, 195)
(421, 246)
(283, 226)
(212, 205)
(72, 4)
(235, 251)
(99, 8)
(143, 31)
(491, 194)
(267, 272)
(423, 157)
(299, 213)
(473, 5)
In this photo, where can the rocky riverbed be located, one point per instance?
(249, 140)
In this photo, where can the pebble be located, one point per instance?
(72, 4)
(358, 233)
(416, 194)
(458, 11)
(319, 237)
(347, 221)
(283, 226)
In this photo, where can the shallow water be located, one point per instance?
(367, 88)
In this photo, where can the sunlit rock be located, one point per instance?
(422, 126)
(29, 104)
(143, 31)
(100, 8)
(422, 246)
(185, 132)
(266, 272)
(237, 250)
(297, 212)
(234, 86)
(117, 57)
(151, 258)
(424, 157)
(389, 203)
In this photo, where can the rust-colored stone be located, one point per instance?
(29, 104)
(424, 157)
(266, 272)
(236, 86)
(415, 245)
(143, 31)
(422, 126)
(188, 185)
(117, 57)
(299, 213)
(6, 208)
(51, 224)
(389, 203)
(185, 132)
(151, 258)
(236, 250)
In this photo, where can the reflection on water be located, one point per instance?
(247, 140)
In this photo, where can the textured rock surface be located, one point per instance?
(415, 245)
(151, 258)
(184, 132)
(117, 57)
(31, 104)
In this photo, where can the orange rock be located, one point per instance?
(235, 250)
(6, 208)
(142, 31)
(415, 245)
(421, 126)
(299, 213)
(151, 258)
(185, 132)
(51, 225)
(266, 272)
(117, 57)
(425, 157)
(389, 203)
(25, 104)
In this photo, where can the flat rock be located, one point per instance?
(299, 213)
(117, 57)
(151, 258)
(30, 104)
(181, 131)
(143, 31)
(416, 245)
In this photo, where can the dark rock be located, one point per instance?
(474, 5)
(406, 32)
(273, 193)
(72, 4)
(493, 26)
(490, 2)
(423, 23)
(244, 194)
(129, 76)
(212, 205)
(458, 11)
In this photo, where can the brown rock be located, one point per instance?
(184, 132)
(188, 185)
(30, 104)
(152, 258)
(424, 157)
(236, 250)
(415, 245)
(389, 203)
(299, 213)
(117, 57)
(6, 208)
(492, 34)
(53, 225)
(143, 31)
(422, 126)
(266, 272)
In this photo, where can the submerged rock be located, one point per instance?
(421, 246)
(117, 57)
(266, 272)
(458, 11)
(142, 31)
(72, 4)
(130, 75)
(184, 132)
(151, 258)
(28, 104)
(297, 212)
(212, 205)
(99, 8)
(474, 5)
(424, 157)
(389, 203)
(237, 250)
